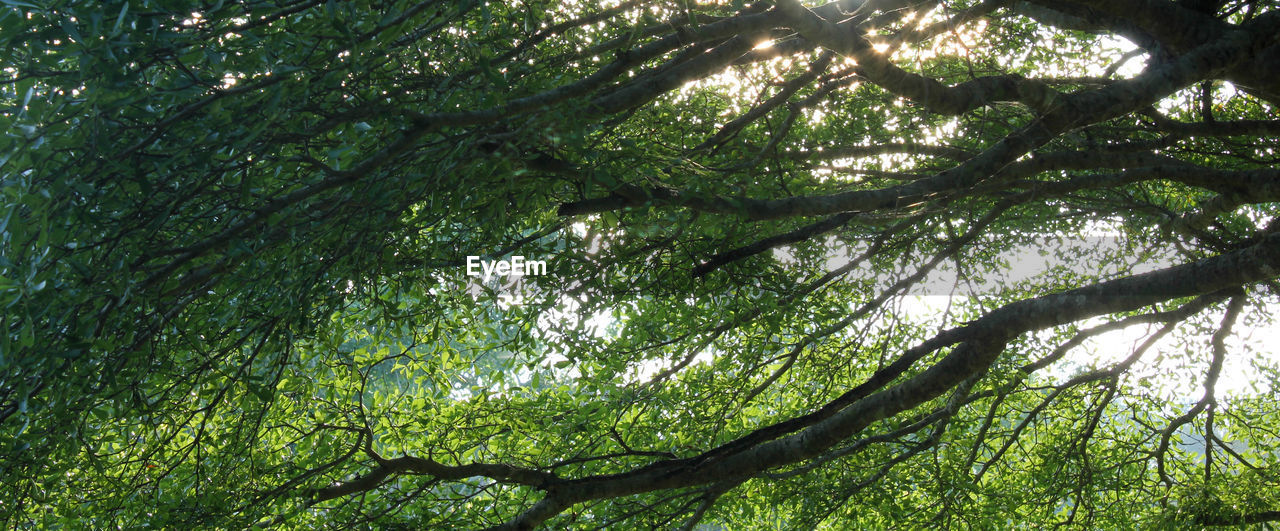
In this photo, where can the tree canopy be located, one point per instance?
(236, 237)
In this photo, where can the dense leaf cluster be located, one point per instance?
(234, 242)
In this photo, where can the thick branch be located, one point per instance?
(847, 40)
(983, 341)
(1076, 110)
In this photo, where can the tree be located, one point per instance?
(236, 240)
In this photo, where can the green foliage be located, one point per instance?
(234, 241)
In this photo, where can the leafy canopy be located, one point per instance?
(234, 240)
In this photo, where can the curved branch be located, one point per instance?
(846, 39)
(1073, 111)
(980, 343)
